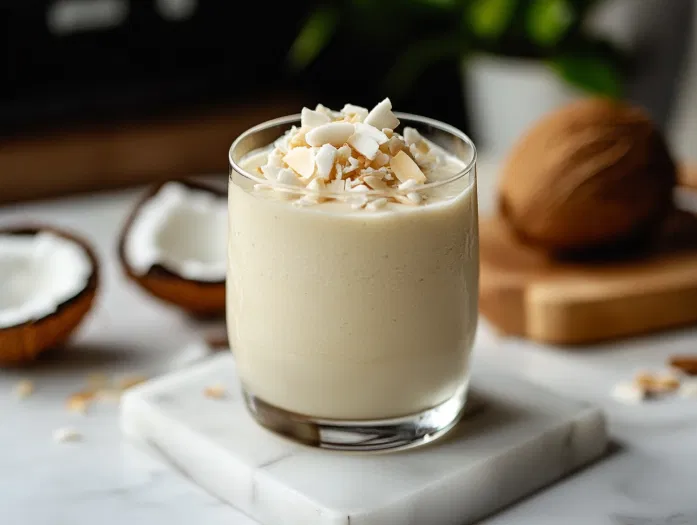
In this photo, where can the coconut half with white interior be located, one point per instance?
(48, 282)
(174, 245)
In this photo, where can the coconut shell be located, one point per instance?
(21, 344)
(593, 174)
(199, 298)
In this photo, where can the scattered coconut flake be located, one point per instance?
(306, 200)
(414, 197)
(353, 165)
(334, 133)
(664, 383)
(270, 172)
(360, 188)
(372, 132)
(381, 159)
(298, 139)
(79, 402)
(325, 160)
(324, 109)
(359, 203)
(374, 182)
(216, 391)
(108, 394)
(405, 168)
(364, 144)
(275, 159)
(281, 143)
(66, 434)
(336, 186)
(411, 136)
(316, 185)
(407, 185)
(381, 116)
(301, 160)
(353, 110)
(24, 388)
(377, 204)
(343, 153)
(628, 392)
(395, 145)
(130, 381)
(688, 390)
(289, 178)
(97, 380)
(312, 119)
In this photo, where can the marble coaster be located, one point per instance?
(517, 439)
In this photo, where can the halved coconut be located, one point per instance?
(48, 281)
(174, 245)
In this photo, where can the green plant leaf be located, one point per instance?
(594, 75)
(418, 57)
(442, 4)
(547, 21)
(489, 19)
(313, 37)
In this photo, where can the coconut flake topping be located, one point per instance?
(351, 151)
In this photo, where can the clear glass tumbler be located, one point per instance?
(352, 329)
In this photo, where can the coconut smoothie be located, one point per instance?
(353, 268)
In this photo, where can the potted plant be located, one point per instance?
(527, 57)
(520, 58)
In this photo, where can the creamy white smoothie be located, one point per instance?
(347, 303)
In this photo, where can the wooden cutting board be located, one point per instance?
(525, 293)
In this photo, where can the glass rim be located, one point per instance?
(292, 119)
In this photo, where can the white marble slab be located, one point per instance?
(522, 439)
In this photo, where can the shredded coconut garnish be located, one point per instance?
(349, 151)
(64, 435)
(24, 388)
(216, 391)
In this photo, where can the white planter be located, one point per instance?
(505, 96)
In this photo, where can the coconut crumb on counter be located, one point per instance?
(216, 391)
(97, 380)
(24, 388)
(108, 394)
(66, 434)
(352, 148)
(628, 392)
(647, 385)
(688, 390)
(79, 402)
(129, 381)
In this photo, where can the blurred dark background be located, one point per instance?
(105, 93)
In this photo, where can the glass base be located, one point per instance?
(361, 436)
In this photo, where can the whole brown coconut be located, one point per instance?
(593, 174)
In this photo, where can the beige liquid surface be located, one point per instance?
(353, 314)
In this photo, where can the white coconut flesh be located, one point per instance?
(182, 229)
(38, 273)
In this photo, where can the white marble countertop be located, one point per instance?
(651, 473)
